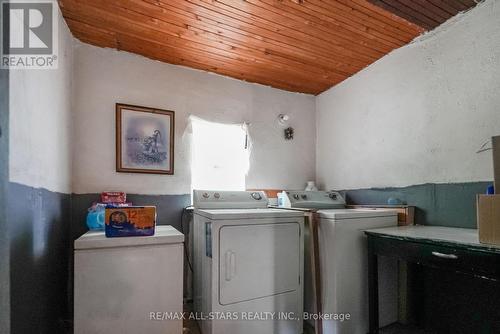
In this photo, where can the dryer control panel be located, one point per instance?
(213, 199)
(314, 200)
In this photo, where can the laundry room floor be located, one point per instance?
(404, 329)
(191, 327)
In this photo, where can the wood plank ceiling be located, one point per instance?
(298, 45)
(425, 13)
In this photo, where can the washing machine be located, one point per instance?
(248, 264)
(343, 262)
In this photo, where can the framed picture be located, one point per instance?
(144, 140)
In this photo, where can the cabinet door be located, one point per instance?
(121, 289)
(256, 261)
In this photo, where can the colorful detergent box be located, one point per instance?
(130, 221)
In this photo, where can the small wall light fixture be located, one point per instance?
(283, 119)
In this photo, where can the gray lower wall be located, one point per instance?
(38, 223)
(4, 176)
(43, 225)
(449, 204)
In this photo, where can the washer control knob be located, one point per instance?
(296, 196)
(333, 196)
(304, 197)
(217, 195)
(256, 196)
(206, 195)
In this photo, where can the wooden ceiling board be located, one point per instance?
(207, 38)
(425, 13)
(306, 46)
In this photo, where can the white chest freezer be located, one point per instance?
(129, 285)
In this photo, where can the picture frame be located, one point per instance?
(144, 139)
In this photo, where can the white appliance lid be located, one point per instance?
(338, 214)
(224, 214)
(165, 234)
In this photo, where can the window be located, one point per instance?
(220, 158)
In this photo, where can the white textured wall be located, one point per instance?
(40, 122)
(419, 114)
(104, 77)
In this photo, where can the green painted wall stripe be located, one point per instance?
(447, 204)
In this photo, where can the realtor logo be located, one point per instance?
(29, 34)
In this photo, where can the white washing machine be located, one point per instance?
(343, 261)
(248, 264)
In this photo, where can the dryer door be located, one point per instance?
(256, 261)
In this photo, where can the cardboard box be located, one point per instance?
(495, 144)
(488, 218)
(113, 197)
(130, 221)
